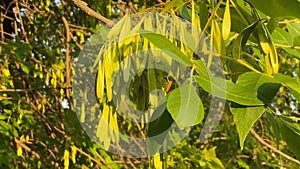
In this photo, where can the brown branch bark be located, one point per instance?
(89, 157)
(26, 148)
(21, 22)
(84, 6)
(68, 66)
(262, 141)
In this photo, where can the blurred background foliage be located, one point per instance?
(41, 39)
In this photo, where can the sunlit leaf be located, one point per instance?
(244, 119)
(165, 45)
(226, 26)
(185, 106)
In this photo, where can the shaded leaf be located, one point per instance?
(286, 8)
(241, 40)
(290, 137)
(290, 83)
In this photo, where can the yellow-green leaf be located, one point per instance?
(226, 26)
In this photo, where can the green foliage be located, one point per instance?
(244, 119)
(182, 100)
(259, 49)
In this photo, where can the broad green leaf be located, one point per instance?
(282, 37)
(290, 83)
(185, 106)
(241, 40)
(244, 119)
(225, 89)
(296, 41)
(278, 8)
(294, 32)
(294, 29)
(166, 46)
(266, 86)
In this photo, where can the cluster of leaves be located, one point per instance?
(248, 42)
(257, 42)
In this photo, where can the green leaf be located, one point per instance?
(225, 89)
(25, 68)
(166, 46)
(185, 106)
(226, 26)
(160, 123)
(204, 13)
(244, 119)
(290, 83)
(241, 40)
(210, 159)
(185, 12)
(294, 29)
(282, 37)
(266, 86)
(278, 8)
(290, 137)
(293, 125)
(272, 24)
(296, 41)
(274, 126)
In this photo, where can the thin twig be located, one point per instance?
(21, 22)
(132, 7)
(26, 148)
(262, 141)
(121, 7)
(84, 6)
(88, 156)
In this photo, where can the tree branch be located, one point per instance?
(84, 6)
(68, 66)
(26, 148)
(261, 140)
